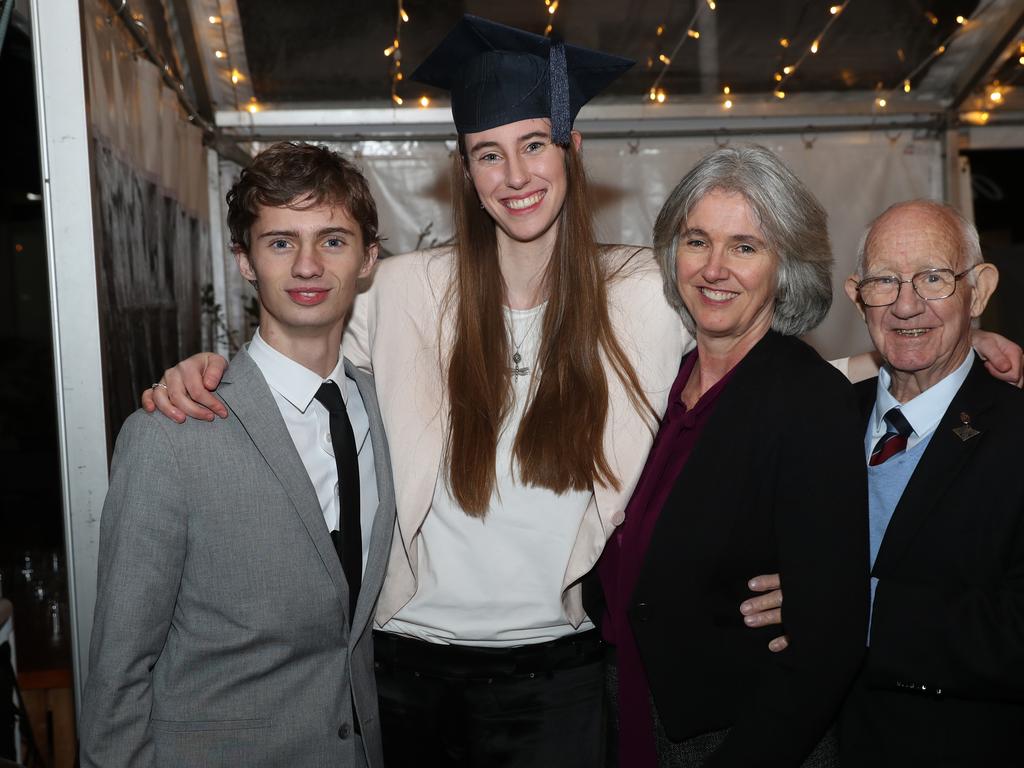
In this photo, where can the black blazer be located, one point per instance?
(776, 483)
(943, 681)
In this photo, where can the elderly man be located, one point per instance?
(943, 681)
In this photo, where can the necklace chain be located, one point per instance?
(517, 369)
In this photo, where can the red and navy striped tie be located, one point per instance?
(894, 440)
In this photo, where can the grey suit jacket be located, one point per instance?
(221, 634)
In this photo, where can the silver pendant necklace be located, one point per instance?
(517, 368)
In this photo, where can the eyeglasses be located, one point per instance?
(929, 284)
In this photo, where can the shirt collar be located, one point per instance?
(293, 381)
(925, 411)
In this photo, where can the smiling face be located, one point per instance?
(920, 341)
(725, 271)
(305, 263)
(520, 177)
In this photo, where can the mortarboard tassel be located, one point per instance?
(561, 120)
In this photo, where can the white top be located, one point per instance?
(495, 580)
(923, 412)
(294, 388)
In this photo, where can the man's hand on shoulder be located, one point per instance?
(186, 389)
(765, 609)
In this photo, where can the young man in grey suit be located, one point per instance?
(240, 559)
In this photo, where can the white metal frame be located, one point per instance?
(70, 246)
(706, 115)
(217, 267)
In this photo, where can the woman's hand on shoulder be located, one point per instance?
(186, 389)
(1003, 358)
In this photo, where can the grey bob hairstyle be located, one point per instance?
(792, 221)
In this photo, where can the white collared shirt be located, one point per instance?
(294, 388)
(924, 412)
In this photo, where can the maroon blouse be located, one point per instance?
(623, 559)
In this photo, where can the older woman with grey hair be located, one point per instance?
(758, 467)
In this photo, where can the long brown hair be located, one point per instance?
(560, 442)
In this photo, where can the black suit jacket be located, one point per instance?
(943, 681)
(775, 483)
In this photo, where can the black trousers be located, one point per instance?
(469, 707)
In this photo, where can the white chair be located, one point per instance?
(7, 636)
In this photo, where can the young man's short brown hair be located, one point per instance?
(300, 176)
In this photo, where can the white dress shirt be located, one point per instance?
(294, 388)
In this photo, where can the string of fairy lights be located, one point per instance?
(994, 92)
(394, 52)
(550, 8)
(657, 93)
(223, 55)
(788, 70)
(781, 79)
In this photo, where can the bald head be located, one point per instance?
(946, 224)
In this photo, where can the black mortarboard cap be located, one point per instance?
(498, 74)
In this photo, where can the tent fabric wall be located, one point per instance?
(855, 176)
(150, 193)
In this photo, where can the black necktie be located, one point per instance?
(894, 440)
(348, 542)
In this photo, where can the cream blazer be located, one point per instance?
(399, 333)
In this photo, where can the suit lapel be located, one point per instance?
(384, 519)
(245, 392)
(942, 461)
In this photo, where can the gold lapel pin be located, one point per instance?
(965, 431)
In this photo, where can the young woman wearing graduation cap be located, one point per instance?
(523, 369)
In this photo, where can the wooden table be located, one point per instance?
(45, 679)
